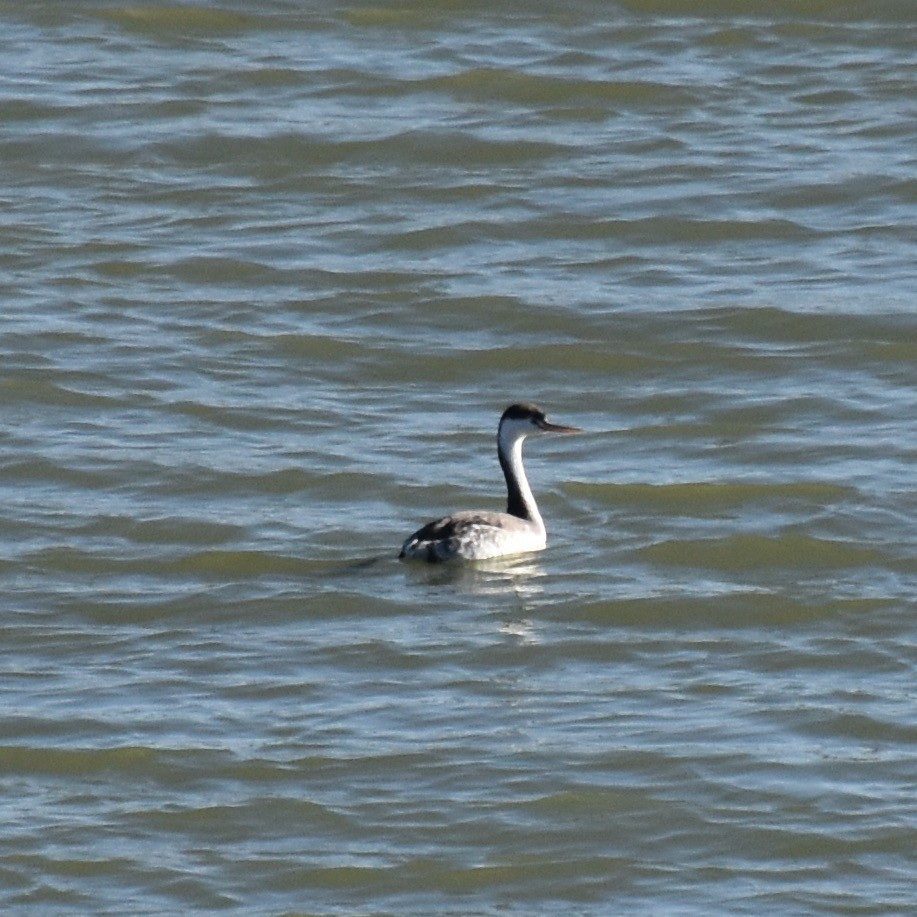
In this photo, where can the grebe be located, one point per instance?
(481, 534)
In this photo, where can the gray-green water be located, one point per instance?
(269, 274)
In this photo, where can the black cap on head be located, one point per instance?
(523, 411)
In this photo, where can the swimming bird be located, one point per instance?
(482, 534)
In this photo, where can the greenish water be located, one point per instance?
(269, 277)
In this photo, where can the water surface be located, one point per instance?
(269, 277)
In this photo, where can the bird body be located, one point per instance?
(483, 534)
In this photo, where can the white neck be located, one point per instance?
(520, 500)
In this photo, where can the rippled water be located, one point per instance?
(271, 272)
